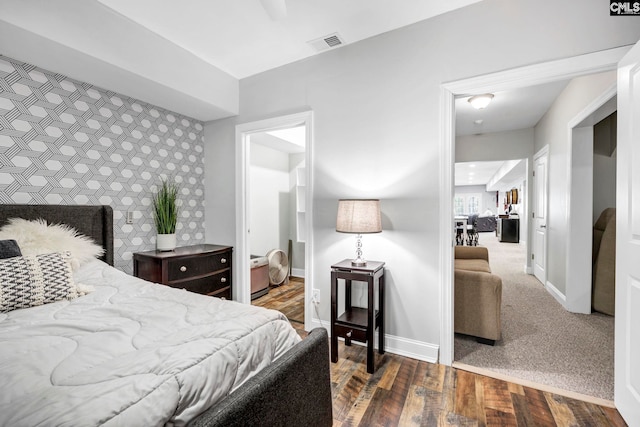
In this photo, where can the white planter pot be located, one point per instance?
(166, 242)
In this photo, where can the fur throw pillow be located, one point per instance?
(37, 238)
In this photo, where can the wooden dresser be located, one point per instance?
(204, 269)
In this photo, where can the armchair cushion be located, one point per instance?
(472, 265)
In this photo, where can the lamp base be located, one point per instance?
(358, 262)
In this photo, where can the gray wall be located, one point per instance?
(270, 197)
(67, 142)
(553, 130)
(376, 107)
(604, 165)
(604, 183)
(273, 202)
(511, 145)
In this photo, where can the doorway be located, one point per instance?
(304, 203)
(506, 80)
(277, 216)
(581, 199)
(574, 165)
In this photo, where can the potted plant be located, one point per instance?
(165, 214)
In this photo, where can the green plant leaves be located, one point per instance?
(165, 209)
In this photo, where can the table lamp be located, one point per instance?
(358, 216)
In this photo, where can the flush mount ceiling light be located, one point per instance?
(480, 101)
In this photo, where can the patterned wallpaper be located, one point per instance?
(67, 142)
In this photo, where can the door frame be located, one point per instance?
(544, 151)
(242, 279)
(546, 72)
(579, 250)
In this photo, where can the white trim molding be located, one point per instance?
(297, 272)
(555, 292)
(406, 347)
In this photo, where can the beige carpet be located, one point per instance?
(541, 341)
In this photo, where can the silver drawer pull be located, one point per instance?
(223, 280)
(223, 260)
(183, 268)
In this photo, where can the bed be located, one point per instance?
(130, 352)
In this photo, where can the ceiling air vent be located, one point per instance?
(330, 41)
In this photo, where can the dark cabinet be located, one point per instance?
(508, 230)
(204, 269)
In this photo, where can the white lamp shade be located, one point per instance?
(359, 216)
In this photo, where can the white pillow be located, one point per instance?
(37, 238)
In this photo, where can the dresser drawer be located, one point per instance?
(356, 334)
(224, 293)
(204, 269)
(206, 285)
(187, 267)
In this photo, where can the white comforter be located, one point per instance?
(131, 353)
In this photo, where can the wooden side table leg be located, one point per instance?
(381, 308)
(334, 314)
(347, 306)
(370, 326)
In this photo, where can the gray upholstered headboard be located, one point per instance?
(92, 221)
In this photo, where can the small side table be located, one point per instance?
(358, 323)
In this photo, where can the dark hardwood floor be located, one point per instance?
(287, 298)
(409, 392)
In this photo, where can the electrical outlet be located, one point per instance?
(316, 296)
(129, 217)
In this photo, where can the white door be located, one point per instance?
(627, 329)
(539, 214)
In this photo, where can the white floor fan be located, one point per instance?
(278, 267)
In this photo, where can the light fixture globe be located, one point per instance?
(480, 101)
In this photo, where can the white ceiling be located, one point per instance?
(512, 110)
(239, 37)
(188, 56)
(520, 108)
(495, 176)
(475, 173)
(289, 140)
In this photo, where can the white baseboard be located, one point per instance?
(556, 293)
(297, 272)
(528, 270)
(406, 347)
